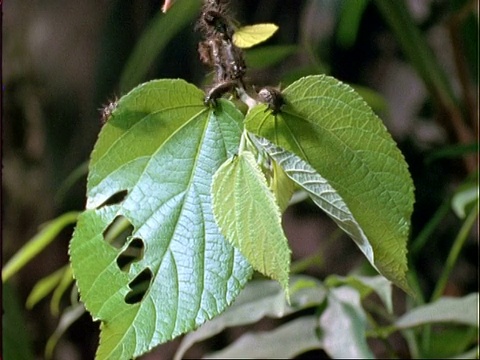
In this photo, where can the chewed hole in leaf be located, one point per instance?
(118, 232)
(133, 253)
(115, 199)
(139, 287)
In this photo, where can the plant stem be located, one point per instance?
(454, 253)
(247, 99)
(453, 25)
(419, 242)
(316, 259)
(243, 139)
(423, 60)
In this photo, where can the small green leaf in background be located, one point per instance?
(39, 242)
(16, 342)
(328, 126)
(452, 152)
(44, 287)
(447, 310)
(365, 285)
(452, 342)
(343, 326)
(68, 317)
(259, 299)
(464, 198)
(349, 21)
(285, 342)
(266, 56)
(248, 36)
(248, 216)
(64, 284)
(152, 166)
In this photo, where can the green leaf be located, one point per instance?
(152, 166)
(343, 326)
(365, 285)
(266, 56)
(39, 242)
(248, 36)
(321, 192)
(471, 354)
(16, 341)
(452, 152)
(259, 299)
(69, 316)
(249, 218)
(44, 287)
(449, 341)
(285, 342)
(282, 186)
(349, 21)
(327, 125)
(65, 282)
(450, 310)
(465, 197)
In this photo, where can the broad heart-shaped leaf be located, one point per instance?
(249, 217)
(248, 36)
(327, 125)
(162, 146)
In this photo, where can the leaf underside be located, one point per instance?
(162, 146)
(321, 192)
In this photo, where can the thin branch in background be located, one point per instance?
(453, 25)
(417, 50)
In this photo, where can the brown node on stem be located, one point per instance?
(273, 97)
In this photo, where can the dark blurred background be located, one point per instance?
(63, 59)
